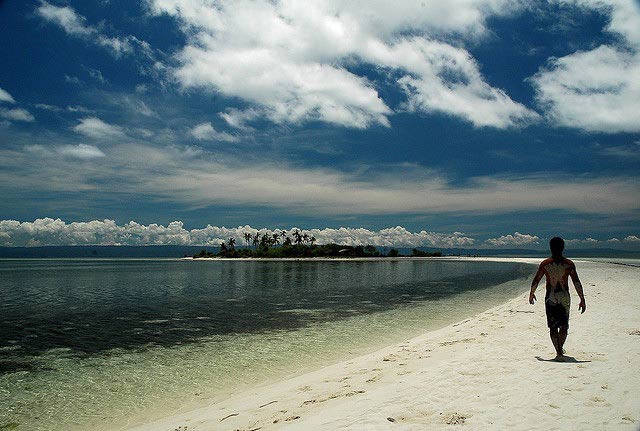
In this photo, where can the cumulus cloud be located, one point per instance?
(292, 60)
(94, 127)
(17, 114)
(395, 236)
(48, 231)
(582, 241)
(446, 79)
(206, 132)
(517, 239)
(597, 90)
(630, 239)
(6, 97)
(76, 25)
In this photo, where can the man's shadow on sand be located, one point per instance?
(567, 360)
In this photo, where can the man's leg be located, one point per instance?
(562, 337)
(553, 333)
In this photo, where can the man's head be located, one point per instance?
(556, 245)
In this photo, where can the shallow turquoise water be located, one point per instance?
(102, 343)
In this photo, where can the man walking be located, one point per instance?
(557, 269)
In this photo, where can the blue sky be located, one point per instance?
(501, 122)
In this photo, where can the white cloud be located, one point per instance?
(65, 17)
(624, 16)
(584, 241)
(592, 241)
(81, 151)
(238, 118)
(292, 59)
(517, 239)
(74, 24)
(206, 132)
(327, 191)
(6, 97)
(54, 108)
(143, 109)
(48, 231)
(73, 80)
(628, 151)
(135, 105)
(94, 127)
(395, 236)
(597, 90)
(17, 114)
(446, 79)
(47, 107)
(96, 74)
(78, 108)
(144, 133)
(202, 178)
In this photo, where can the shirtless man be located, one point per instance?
(557, 301)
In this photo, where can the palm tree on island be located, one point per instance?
(300, 245)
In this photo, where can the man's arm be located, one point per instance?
(578, 285)
(534, 284)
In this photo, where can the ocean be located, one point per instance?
(107, 343)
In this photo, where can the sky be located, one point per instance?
(472, 123)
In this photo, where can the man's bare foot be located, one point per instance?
(559, 358)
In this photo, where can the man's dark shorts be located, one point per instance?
(557, 305)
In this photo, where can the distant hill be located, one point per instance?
(176, 251)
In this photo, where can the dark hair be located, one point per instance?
(556, 245)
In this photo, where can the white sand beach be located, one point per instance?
(490, 371)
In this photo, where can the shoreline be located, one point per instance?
(364, 259)
(495, 364)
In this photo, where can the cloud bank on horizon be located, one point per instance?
(493, 116)
(47, 231)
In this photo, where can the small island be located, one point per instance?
(301, 245)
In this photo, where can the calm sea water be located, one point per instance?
(102, 344)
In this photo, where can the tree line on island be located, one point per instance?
(281, 245)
